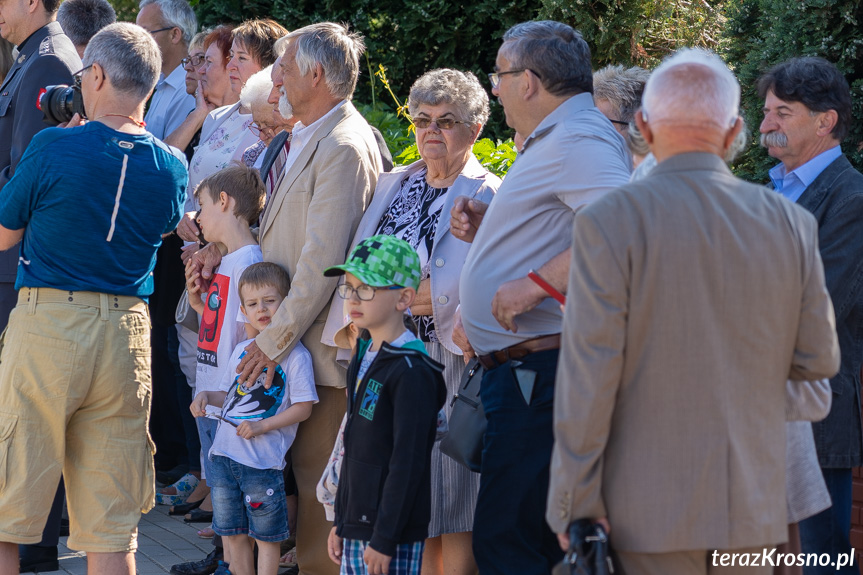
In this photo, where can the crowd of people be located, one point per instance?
(217, 230)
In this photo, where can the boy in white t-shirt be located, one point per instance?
(231, 200)
(256, 428)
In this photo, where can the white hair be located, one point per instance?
(257, 89)
(692, 85)
(281, 46)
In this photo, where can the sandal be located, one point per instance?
(199, 516)
(184, 488)
(289, 558)
(184, 508)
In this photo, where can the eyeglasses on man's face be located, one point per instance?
(364, 292)
(154, 32)
(494, 77)
(76, 77)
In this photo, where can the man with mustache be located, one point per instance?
(807, 113)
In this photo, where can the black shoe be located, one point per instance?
(184, 508)
(205, 566)
(32, 558)
(171, 476)
(199, 516)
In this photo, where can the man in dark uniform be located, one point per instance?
(44, 56)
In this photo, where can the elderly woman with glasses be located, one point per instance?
(449, 109)
(266, 120)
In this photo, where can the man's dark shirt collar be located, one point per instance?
(31, 44)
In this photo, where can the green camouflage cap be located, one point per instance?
(381, 261)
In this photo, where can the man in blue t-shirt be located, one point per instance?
(91, 203)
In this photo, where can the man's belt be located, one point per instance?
(520, 350)
(87, 298)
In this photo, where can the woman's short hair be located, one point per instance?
(198, 40)
(336, 49)
(553, 51)
(129, 56)
(222, 37)
(258, 38)
(459, 89)
(621, 87)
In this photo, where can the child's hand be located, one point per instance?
(334, 547)
(377, 563)
(199, 405)
(250, 429)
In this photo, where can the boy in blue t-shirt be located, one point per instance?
(256, 428)
(383, 502)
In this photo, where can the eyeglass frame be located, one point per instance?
(437, 121)
(153, 32)
(188, 60)
(257, 130)
(351, 290)
(76, 77)
(494, 77)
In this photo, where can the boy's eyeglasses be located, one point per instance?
(442, 123)
(364, 292)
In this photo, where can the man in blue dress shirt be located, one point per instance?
(807, 113)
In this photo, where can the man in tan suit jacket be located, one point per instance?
(693, 297)
(307, 225)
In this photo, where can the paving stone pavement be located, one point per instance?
(163, 541)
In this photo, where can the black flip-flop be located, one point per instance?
(184, 508)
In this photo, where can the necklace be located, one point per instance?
(139, 123)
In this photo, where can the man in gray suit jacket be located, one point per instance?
(693, 298)
(45, 57)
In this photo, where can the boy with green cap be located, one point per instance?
(383, 504)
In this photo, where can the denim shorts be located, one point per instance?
(248, 501)
(206, 433)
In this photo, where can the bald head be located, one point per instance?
(693, 87)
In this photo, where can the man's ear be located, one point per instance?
(826, 122)
(643, 128)
(406, 298)
(532, 85)
(176, 35)
(317, 74)
(98, 76)
(732, 134)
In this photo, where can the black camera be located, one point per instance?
(59, 103)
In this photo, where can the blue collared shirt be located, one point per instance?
(794, 183)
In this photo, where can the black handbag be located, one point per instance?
(467, 422)
(588, 551)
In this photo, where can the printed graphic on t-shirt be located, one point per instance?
(212, 320)
(255, 402)
(370, 399)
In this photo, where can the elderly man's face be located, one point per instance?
(789, 131)
(507, 91)
(296, 90)
(14, 20)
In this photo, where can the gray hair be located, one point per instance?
(257, 89)
(336, 49)
(553, 51)
(176, 13)
(198, 39)
(129, 56)
(637, 144)
(82, 19)
(446, 86)
(692, 85)
(622, 88)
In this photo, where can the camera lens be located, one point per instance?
(60, 103)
